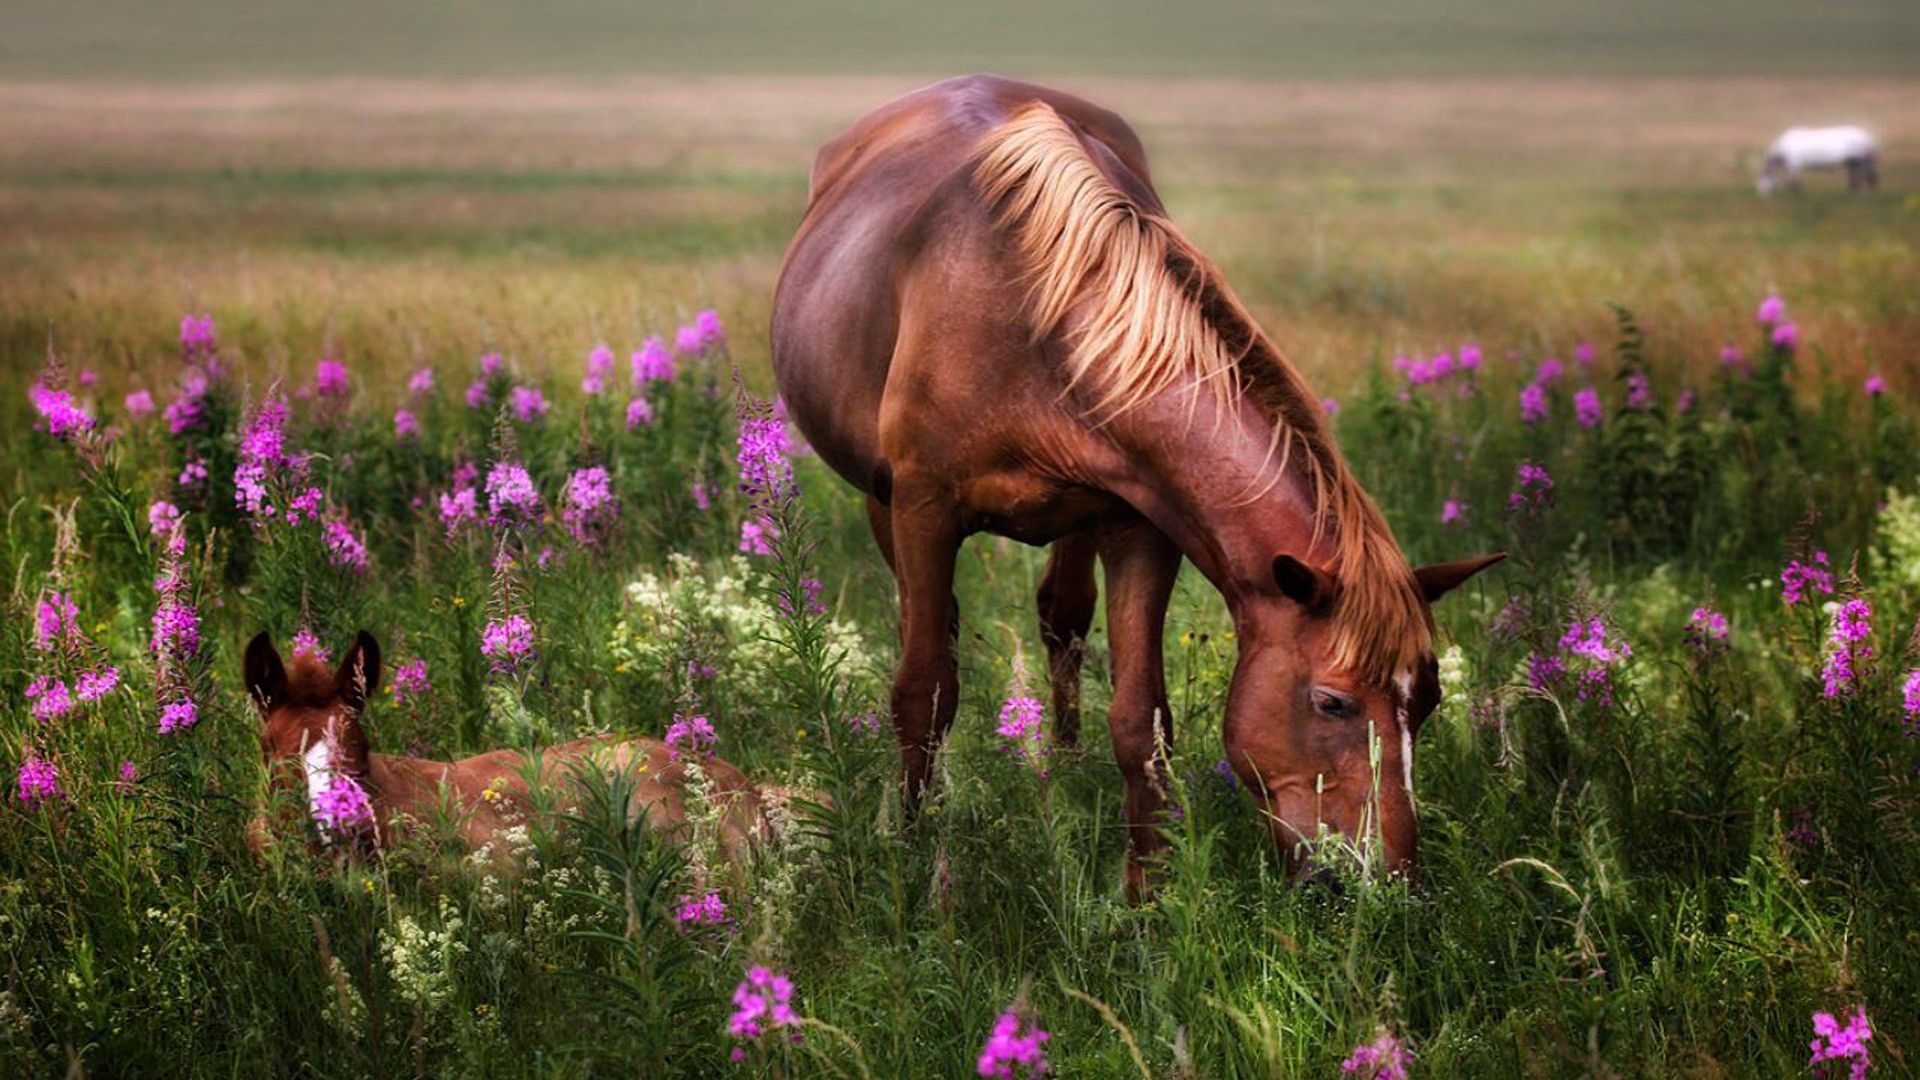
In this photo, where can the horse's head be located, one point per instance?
(1772, 172)
(1326, 750)
(310, 734)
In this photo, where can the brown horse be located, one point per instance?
(312, 733)
(987, 322)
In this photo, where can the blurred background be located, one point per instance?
(406, 181)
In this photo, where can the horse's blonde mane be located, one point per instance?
(1144, 313)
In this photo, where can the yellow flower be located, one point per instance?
(459, 601)
(800, 733)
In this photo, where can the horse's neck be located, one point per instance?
(1221, 488)
(398, 784)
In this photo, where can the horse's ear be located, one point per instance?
(266, 676)
(359, 674)
(1309, 586)
(1439, 579)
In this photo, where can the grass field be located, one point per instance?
(1671, 881)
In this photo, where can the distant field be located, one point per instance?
(198, 39)
(412, 219)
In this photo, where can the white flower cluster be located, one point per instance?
(421, 961)
(686, 616)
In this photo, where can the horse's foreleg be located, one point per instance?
(926, 538)
(1066, 599)
(1141, 564)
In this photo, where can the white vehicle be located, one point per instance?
(1800, 149)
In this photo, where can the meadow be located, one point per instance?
(1669, 806)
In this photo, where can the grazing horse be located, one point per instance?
(988, 323)
(312, 734)
(1799, 149)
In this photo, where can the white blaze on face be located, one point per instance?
(1404, 683)
(319, 763)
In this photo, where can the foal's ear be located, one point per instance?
(266, 676)
(1439, 579)
(359, 674)
(1309, 586)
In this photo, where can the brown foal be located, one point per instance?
(988, 323)
(312, 733)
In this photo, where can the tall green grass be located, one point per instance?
(1666, 881)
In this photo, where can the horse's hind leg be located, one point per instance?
(1066, 598)
(926, 539)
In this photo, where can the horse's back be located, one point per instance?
(1826, 145)
(891, 202)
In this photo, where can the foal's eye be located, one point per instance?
(1335, 705)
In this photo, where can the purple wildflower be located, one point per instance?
(1584, 354)
(1771, 311)
(62, 416)
(590, 506)
(197, 337)
(1550, 371)
(94, 685)
(344, 547)
(1544, 669)
(1706, 630)
(687, 340)
(757, 536)
(1850, 644)
(639, 412)
(192, 474)
(1533, 490)
(763, 1000)
(1834, 1042)
(1785, 336)
(56, 620)
(507, 642)
(1331, 406)
(1639, 391)
(1684, 402)
(706, 324)
(511, 497)
(39, 781)
(1469, 357)
(178, 716)
(1874, 386)
(693, 734)
(1910, 701)
(330, 378)
(262, 450)
(51, 698)
(704, 910)
(653, 363)
(1022, 719)
(410, 681)
(1586, 407)
(307, 643)
(1385, 1058)
(1533, 403)
(765, 471)
(421, 382)
(477, 395)
(528, 403)
(459, 508)
(1451, 511)
(406, 426)
(162, 517)
(139, 404)
(702, 496)
(1588, 642)
(599, 366)
(1010, 1052)
(342, 807)
(1799, 579)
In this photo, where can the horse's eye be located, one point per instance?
(1335, 705)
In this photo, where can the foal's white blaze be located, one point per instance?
(1404, 681)
(319, 763)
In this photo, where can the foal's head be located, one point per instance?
(311, 732)
(1325, 747)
